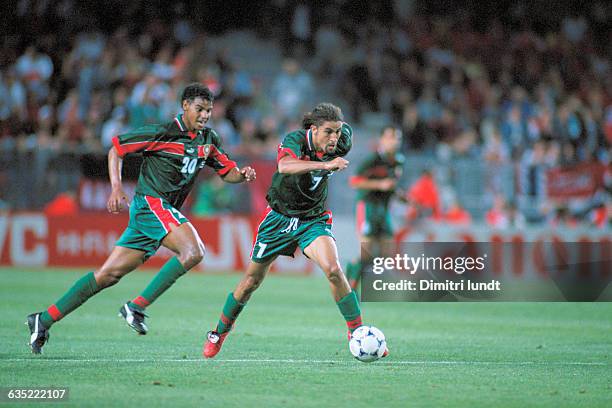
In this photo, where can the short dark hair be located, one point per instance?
(323, 112)
(196, 90)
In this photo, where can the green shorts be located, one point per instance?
(373, 219)
(150, 220)
(278, 234)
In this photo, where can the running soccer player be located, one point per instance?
(173, 155)
(376, 181)
(296, 217)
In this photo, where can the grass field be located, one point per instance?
(289, 349)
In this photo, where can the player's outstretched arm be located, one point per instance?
(117, 198)
(291, 165)
(361, 183)
(236, 175)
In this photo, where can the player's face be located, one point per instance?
(325, 137)
(390, 140)
(196, 113)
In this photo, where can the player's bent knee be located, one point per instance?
(192, 256)
(333, 273)
(107, 277)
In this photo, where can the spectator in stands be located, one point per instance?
(423, 199)
(327, 41)
(416, 135)
(497, 216)
(64, 204)
(13, 97)
(535, 98)
(495, 152)
(117, 124)
(601, 215)
(35, 68)
(533, 166)
(514, 129)
(267, 136)
(291, 91)
(220, 122)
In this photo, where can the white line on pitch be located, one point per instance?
(293, 361)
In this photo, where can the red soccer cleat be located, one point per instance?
(213, 343)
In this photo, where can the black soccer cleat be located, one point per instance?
(134, 318)
(39, 334)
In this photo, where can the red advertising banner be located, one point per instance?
(84, 241)
(578, 181)
(36, 240)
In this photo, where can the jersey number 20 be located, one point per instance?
(189, 165)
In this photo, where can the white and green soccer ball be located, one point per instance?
(367, 344)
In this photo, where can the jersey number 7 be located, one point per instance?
(316, 180)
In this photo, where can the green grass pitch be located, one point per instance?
(289, 349)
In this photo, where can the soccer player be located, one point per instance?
(376, 181)
(173, 155)
(296, 217)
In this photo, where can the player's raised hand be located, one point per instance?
(248, 173)
(117, 201)
(337, 164)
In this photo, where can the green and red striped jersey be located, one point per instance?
(172, 158)
(304, 195)
(379, 166)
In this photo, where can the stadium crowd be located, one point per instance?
(500, 91)
(507, 91)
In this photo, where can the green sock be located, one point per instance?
(167, 275)
(83, 289)
(352, 270)
(349, 307)
(353, 273)
(231, 310)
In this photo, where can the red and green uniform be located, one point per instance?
(373, 218)
(304, 195)
(172, 159)
(296, 216)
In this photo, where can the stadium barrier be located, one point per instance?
(38, 240)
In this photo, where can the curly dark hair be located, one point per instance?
(323, 112)
(196, 90)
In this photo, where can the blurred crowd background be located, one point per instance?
(496, 103)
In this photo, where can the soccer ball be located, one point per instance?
(367, 344)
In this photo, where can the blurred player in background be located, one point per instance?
(376, 180)
(296, 216)
(173, 155)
